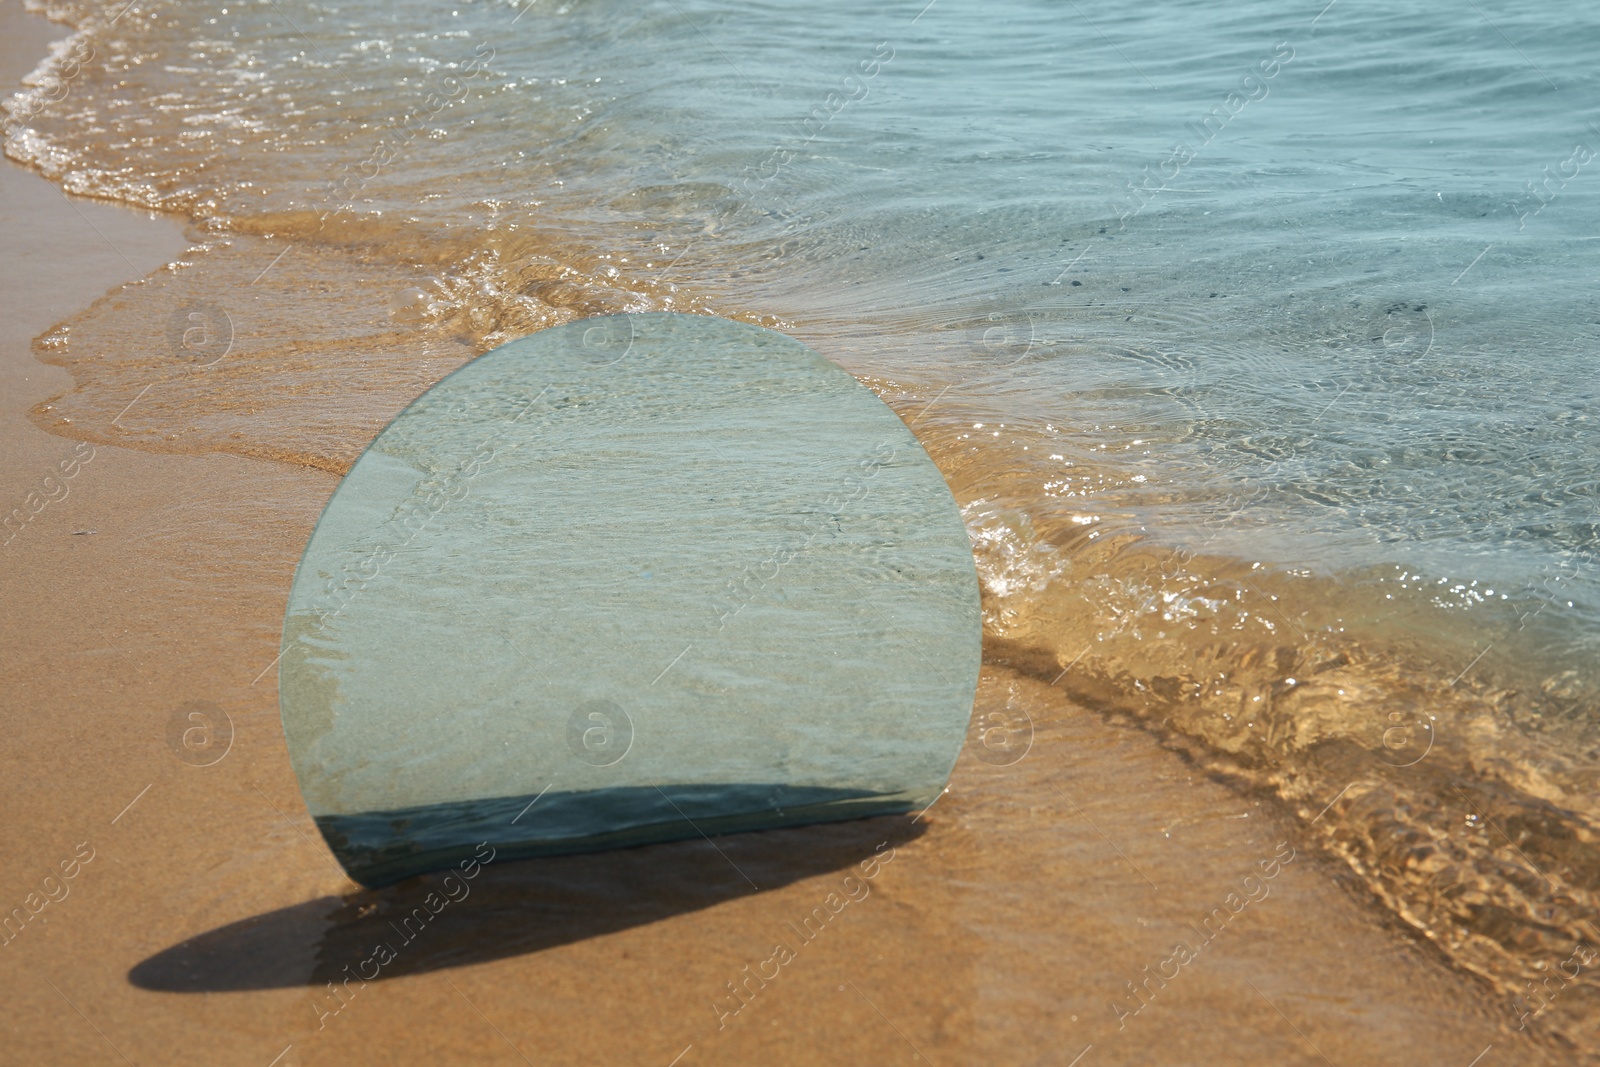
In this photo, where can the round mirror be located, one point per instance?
(630, 579)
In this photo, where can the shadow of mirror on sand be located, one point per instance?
(491, 911)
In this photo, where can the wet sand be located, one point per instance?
(210, 919)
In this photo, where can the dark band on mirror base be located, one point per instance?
(382, 847)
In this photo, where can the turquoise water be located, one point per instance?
(1258, 345)
(1334, 265)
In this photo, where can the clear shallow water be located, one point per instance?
(1285, 446)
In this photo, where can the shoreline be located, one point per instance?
(1033, 893)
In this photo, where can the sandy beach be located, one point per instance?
(1033, 916)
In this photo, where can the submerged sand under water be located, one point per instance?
(1189, 712)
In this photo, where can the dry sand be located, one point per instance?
(210, 919)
